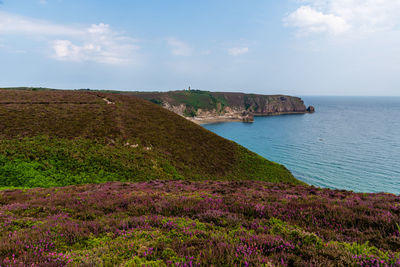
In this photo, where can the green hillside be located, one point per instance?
(56, 138)
(193, 100)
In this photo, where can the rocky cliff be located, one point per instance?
(205, 107)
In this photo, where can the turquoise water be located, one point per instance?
(350, 143)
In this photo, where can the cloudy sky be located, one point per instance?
(297, 47)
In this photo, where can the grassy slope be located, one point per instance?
(182, 223)
(57, 138)
(193, 100)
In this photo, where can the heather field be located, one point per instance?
(208, 223)
(107, 179)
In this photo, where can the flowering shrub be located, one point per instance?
(182, 223)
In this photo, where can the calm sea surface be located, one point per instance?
(350, 143)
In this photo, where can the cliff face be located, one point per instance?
(264, 104)
(204, 106)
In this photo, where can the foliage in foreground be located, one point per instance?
(47, 162)
(181, 223)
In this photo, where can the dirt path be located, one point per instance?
(108, 101)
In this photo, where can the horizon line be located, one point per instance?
(169, 90)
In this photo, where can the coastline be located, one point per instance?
(210, 120)
(238, 118)
(205, 107)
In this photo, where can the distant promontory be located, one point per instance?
(207, 107)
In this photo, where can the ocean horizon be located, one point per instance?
(350, 143)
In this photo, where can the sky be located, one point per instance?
(295, 47)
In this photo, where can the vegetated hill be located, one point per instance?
(183, 223)
(201, 104)
(56, 138)
(52, 138)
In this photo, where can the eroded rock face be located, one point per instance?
(247, 116)
(311, 109)
(178, 109)
(274, 105)
(205, 106)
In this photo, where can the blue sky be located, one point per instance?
(297, 47)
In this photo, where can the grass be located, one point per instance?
(46, 162)
(192, 100)
(182, 223)
(57, 138)
(197, 99)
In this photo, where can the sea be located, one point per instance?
(350, 143)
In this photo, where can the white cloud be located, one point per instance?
(97, 43)
(342, 16)
(179, 48)
(237, 51)
(310, 20)
(100, 45)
